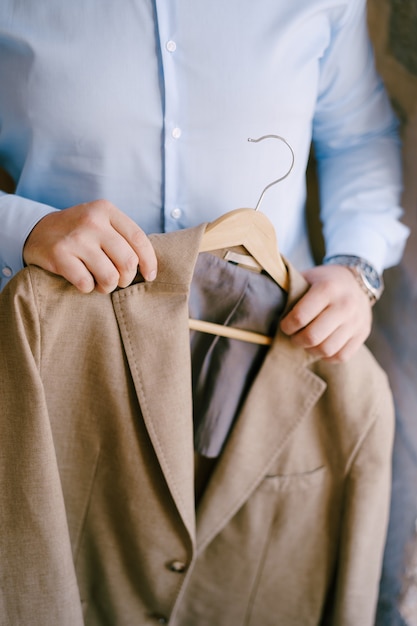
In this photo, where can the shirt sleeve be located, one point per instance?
(18, 216)
(358, 149)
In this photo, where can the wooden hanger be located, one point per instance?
(252, 230)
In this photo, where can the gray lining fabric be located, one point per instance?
(223, 369)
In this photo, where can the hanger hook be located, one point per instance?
(282, 177)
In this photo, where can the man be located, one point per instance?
(134, 119)
(121, 120)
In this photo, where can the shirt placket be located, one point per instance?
(173, 215)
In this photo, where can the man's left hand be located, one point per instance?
(334, 318)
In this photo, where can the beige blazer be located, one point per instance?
(97, 518)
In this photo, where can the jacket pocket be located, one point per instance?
(299, 481)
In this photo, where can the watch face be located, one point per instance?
(365, 273)
(372, 277)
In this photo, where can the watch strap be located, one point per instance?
(366, 275)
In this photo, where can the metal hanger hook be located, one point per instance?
(282, 177)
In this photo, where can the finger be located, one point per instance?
(346, 352)
(123, 258)
(340, 344)
(332, 344)
(90, 268)
(139, 242)
(105, 274)
(319, 330)
(304, 312)
(74, 271)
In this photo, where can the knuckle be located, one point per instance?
(308, 338)
(139, 238)
(130, 264)
(327, 353)
(100, 205)
(109, 280)
(127, 271)
(85, 284)
(297, 319)
(58, 254)
(323, 288)
(312, 337)
(93, 213)
(89, 219)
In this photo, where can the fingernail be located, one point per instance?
(152, 275)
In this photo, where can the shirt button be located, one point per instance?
(176, 213)
(176, 132)
(160, 619)
(7, 271)
(171, 46)
(177, 566)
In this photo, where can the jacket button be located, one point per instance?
(177, 566)
(159, 619)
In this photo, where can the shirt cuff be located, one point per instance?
(18, 216)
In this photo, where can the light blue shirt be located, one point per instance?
(149, 104)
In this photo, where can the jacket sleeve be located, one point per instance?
(364, 524)
(37, 578)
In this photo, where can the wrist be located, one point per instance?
(366, 275)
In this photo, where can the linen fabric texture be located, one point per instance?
(97, 507)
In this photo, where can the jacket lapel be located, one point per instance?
(279, 399)
(153, 322)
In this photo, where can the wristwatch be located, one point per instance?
(366, 275)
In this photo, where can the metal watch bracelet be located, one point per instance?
(366, 275)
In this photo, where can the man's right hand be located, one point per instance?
(93, 245)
